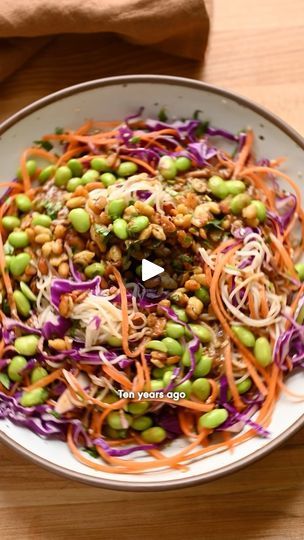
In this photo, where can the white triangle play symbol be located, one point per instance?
(150, 270)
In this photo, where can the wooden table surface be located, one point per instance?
(257, 49)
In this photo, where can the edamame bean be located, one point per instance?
(201, 388)
(27, 345)
(10, 222)
(46, 173)
(22, 304)
(8, 259)
(174, 348)
(90, 176)
(100, 164)
(75, 167)
(203, 295)
(213, 419)
(183, 163)
(154, 435)
(180, 312)
(239, 202)
(34, 397)
(141, 423)
(167, 167)
(16, 365)
(156, 345)
(108, 179)
(80, 220)
(158, 373)
(138, 408)
(127, 168)
(155, 386)
(18, 239)
(62, 176)
(174, 330)
(42, 219)
(203, 334)
(109, 398)
(262, 351)
(235, 187)
(245, 335)
(23, 203)
(218, 187)
(138, 224)
(260, 210)
(116, 208)
(185, 387)
(244, 386)
(115, 433)
(114, 420)
(27, 292)
(31, 167)
(114, 341)
(94, 269)
(120, 228)
(203, 367)
(38, 373)
(18, 264)
(73, 183)
(299, 268)
(167, 376)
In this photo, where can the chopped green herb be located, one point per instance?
(4, 380)
(215, 223)
(8, 249)
(52, 208)
(201, 128)
(92, 452)
(196, 114)
(55, 414)
(162, 115)
(46, 145)
(135, 139)
(102, 231)
(59, 131)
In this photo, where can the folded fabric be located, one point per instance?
(179, 27)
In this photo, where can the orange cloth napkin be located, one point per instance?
(179, 27)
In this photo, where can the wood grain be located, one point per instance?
(257, 49)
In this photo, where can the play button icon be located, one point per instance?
(150, 270)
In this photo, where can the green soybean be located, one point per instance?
(218, 187)
(186, 359)
(154, 435)
(80, 220)
(110, 398)
(174, 330)
(245, 335)
(155, 386)
(239, 202)
(38, 373)
(158, 373)
(100, 164)
(46, 173)
(18, 264)
(299, 268)
(108, 179)
(156, 345)
(8, 259)
(262, 351)
(138, 408)
(95, 269)
(10, 222)
(174, 348)
(62, 176)
(115, 208)
(90, 176)
(260, 210)
(114, 341)
(167, 167)
(22, 304)
(31, 167)
(75, 167)
(213, 419)
(28, 293)
(138, 224)
(114, 420)
(73, 184)
(167, 376)
(203, 367)
(127, 168)
(23, 203)
(203, 295)
(16, 365)
(180, 312)
(120, 228)
(18, 239)
(42, 219)
(235, 187)
(141, 423)
(201, 388)
(203, 334)
(183, 163)
(115, 433)
(34, 397)
(244, 386)
(185, 387)
(27, 345)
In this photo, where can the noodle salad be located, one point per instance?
(118, 367)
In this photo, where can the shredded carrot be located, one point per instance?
(244, 153)
(230, 378)
(45, 381)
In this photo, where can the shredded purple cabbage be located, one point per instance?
(64, 286)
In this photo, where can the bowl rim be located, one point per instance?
(157, 485)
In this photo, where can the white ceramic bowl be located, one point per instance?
(114, 98)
